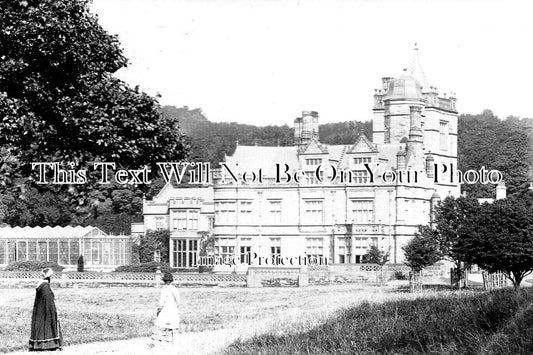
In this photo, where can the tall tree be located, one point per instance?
(59, 100)
(502, 237)
(451, 223)
(421, 252)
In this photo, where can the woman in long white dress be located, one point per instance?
(168, 319)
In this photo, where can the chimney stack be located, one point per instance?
(501, 191)
(415, 132)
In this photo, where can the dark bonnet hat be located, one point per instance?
(168, 277)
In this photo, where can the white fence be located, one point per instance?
(68, 279)
(255, 277)
(494, 280)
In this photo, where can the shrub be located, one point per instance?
(399, 275)
(151, 242)
(144, 267)
(33, 266)
(376, 256)
(81, 264)
(151, 267)
(203, 268)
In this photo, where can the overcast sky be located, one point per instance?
(263, 62)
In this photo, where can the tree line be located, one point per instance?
(483, 140)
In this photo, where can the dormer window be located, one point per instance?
(313, 161)
(362, 160)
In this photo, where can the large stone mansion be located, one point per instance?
(383, 188)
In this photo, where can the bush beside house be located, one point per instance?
(33, 266)
(151, 267)
(81, 264)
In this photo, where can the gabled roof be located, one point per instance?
(362, 145)
(336, 152)
(50, 232)
(252, 158)
(170, 191)
(314, 147)
(166, 189)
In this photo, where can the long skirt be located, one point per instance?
(45, 328)
(163, 335)
(47, 343)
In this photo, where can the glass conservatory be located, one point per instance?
(64, 245)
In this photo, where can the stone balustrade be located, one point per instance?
(255, 277)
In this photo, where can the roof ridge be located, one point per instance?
(341, 157)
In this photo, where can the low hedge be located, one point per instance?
(33, 266)
(144, 267)
(151, 267)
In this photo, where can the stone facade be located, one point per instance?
(188, 214)
(388, 186)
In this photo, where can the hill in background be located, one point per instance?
(210, 141)
(483, 140)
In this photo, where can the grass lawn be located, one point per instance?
(97, 314)
(499, 322)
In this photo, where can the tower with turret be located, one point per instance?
(411, 114)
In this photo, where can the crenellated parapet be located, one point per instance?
(379, 94)
(445, 102)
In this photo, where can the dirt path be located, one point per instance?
(207, 342)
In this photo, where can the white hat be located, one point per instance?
(47, 272)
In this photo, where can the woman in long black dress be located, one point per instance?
(45, 330)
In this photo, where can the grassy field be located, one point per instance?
(96, 314)
(499, 322)
(339, 319)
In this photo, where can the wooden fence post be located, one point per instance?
(303, 276)
(64, 278)
(252, 279)
(157, 277)
(415, 281)
(458, 277)
(381, 276)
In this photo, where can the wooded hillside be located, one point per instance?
(483, 140)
